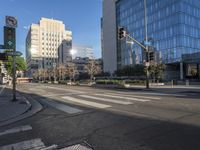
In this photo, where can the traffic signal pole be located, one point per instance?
(122, 34)
(10, 44)
(14, 76)
(146, 40)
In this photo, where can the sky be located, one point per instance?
(82, 17)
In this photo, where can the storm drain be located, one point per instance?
(77, 147)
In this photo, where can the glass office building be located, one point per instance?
(173, 25)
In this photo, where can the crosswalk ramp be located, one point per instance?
(106, 100)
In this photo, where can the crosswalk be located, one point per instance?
(35, 143)
(29, 144)
(106, 100)
(86, 102)
(100, 99)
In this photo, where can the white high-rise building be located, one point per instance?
(48, 44)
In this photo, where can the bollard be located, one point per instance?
(187, 83)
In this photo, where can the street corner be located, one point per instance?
(12, 111)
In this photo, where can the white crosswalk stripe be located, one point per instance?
(85, 102)
(106, 99)
(136, 96)
(62, 107)
(68, 90)
(127, 98)
(33, 144)
(16, 130)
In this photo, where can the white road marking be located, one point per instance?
(85, 102)
(62, 107)
(3, 87)
(16, 130)
(68, 90)
(107, 100)
(121, 97)
(53, 95)
(137, 96)
(25, 145)
(159, 94)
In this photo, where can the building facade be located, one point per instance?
(83, 66)
(82, 51)
(48, 44)
(174, 27)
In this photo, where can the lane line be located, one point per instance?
(136, 96)
(85, 102)
(16, 130)
(127, 98)
(106, 99)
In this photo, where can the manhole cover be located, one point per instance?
(77, 147)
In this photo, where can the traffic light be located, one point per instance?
(3, 56)
(9, 38)
(121, 33)
(151, 56)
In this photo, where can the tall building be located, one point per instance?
(48, 44)
(82, 51)
(174, 27)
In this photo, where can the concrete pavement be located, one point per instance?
(14, 111)
(107, 119)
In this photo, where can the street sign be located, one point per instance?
(11, 21)
(9, 38)
(16, 53)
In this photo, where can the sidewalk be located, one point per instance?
(11, 110)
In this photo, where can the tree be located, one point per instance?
(61, 71)
(93, 68)
(156, 71)
(71, 71)
(20, 64)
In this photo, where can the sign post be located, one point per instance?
(10, 43)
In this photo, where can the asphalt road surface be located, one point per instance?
(107, 119)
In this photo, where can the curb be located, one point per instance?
(33, 108)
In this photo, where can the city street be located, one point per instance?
(107, 119)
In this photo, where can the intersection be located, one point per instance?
(107, 119)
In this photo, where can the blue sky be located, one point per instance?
(80, 16)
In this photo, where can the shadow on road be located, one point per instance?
(105, 129)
